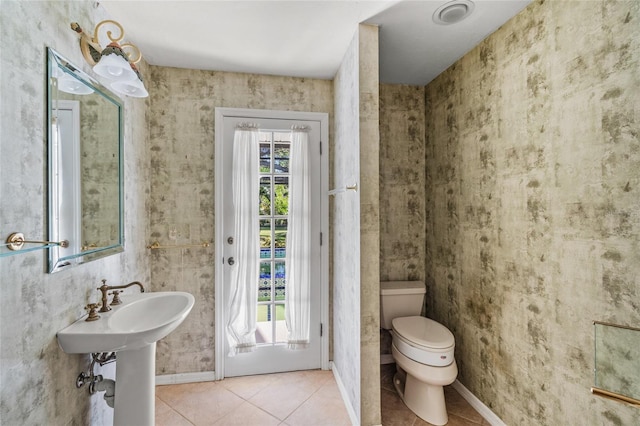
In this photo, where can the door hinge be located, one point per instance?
(321, 238)
(320, 147)
(320, 329)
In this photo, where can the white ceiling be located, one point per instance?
(303, 38)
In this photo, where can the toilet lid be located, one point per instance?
(423, 332)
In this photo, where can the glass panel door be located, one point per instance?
(272, 353)
(274, 198)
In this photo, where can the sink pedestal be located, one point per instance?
(135, 387)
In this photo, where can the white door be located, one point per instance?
(271, 353)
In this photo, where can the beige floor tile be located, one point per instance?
(393, 410)
(459, 406)
(288, 391)
(453, 421)
(200, 403)
(167, 416)
(248, 415)
(323, 408)
(311, 378)
(279, 400)
(247, 386)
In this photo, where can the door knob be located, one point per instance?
(231, 261)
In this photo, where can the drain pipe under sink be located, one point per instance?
(107, 386)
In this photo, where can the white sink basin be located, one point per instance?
(142, 319)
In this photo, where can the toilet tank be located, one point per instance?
(400, 299)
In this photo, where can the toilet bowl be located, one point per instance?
(423, 350)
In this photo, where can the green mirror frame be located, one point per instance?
(85, 128)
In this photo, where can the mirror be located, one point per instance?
(617, 362)
(85, 179)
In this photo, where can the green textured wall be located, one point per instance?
(533, 201)
(402, 180)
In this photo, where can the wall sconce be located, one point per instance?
(112, 62)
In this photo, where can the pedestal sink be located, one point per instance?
(132, 330)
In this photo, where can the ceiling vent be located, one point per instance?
(453, 12)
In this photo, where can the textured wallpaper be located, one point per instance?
(369, 146)
(346, 228)
(532, 201)
(37, 379)
(356, 235)
(402, 180)
(182, 186)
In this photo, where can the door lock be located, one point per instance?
(230, 240)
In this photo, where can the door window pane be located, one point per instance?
(281, 158)
(281, 326)
(280, 281)
(265, 238)
(281, 195)
(271, 327)
(280, 240)
(264, 288)
(265, 158)
(265, 196)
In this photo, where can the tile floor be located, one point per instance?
(304, 398)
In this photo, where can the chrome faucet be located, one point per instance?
(104, 288)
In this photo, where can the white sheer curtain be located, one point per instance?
(297, 258)
(241, 328)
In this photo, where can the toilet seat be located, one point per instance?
(424, 332)
(423, 340)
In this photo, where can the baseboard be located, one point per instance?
(479, 406)
(343, 393)
(174, 379)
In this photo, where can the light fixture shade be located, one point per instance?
(134, 88)
(68, 84)
(114, 64)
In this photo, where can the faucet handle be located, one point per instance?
(104, 286)
(105, 302)
(116, 297)
(93, 315)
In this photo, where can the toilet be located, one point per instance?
(422, 349)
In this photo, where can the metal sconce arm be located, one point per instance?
(90, 45)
